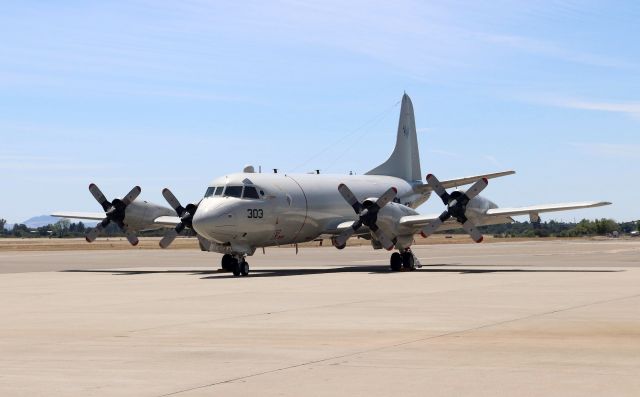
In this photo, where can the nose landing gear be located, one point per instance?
(236, 264)
(403, 260)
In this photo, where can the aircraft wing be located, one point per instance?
(535, 209)
(414, 223)
(464, 181)
(167, 221)
(339, 228)
(95, 216)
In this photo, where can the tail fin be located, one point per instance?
(404, 162)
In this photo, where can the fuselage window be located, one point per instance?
(209, 192)
(218, 191)
(233, 191)
(250, 192)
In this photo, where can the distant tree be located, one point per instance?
(44, 230)
(20, 230)
(61, 228)
(605, 226)
(2, 223)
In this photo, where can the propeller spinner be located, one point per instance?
(456, 203)
(114, 211)
(367, 215)
(186, 217)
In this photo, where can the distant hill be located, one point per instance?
(41, 220)
(44, 220)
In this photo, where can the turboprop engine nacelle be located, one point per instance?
(139, 215)
(477, 206)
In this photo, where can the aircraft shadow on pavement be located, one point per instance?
(434, 268)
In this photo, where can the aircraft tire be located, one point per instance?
(236, 270)
(395, 262)
(407, 261)
(244, 268)
(227, 262)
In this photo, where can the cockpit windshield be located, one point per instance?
(233, 191)
(247, 192)
(250, 192)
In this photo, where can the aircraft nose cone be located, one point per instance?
(215, 220)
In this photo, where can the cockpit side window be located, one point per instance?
(218, 191)
(233, 191)
(209, 192)
(250, 192)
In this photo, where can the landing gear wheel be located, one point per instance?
(227, 262)
(396, 262)
(407, 261)
(236, 267)
(244, 268)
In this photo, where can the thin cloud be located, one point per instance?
(553, 50)
(630, 108)
(609, 150)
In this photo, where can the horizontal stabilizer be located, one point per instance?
(453, 183)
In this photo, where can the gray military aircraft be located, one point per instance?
(245, 211)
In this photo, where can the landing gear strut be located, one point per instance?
(402, 260)
(236, 264)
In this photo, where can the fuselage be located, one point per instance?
(259, 210)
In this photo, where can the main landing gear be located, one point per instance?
(403, 260)
(236, 264)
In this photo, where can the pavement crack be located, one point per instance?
(403, 343)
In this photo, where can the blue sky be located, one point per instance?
(174, 94)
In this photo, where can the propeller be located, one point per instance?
(186, 217)
(114, 211)
(456, 203)
(367, 215)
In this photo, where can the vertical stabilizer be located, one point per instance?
(404, 162)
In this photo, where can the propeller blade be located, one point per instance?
(168, 238)
(173, 201)
(386, 197)
(132, 238)
(476, 188)
(348, 195)
(438, 188)
(431, 228)
(383, 239)
(100, 198)
(342, 238)
(132, 195)
(473, 231)
(92, 234)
